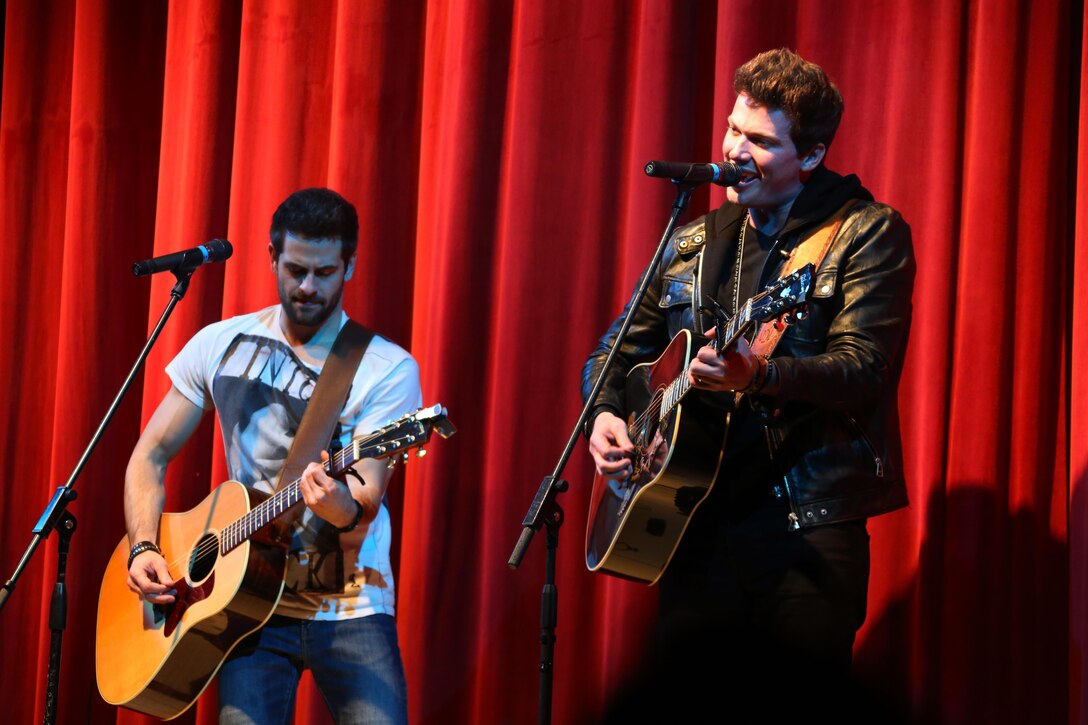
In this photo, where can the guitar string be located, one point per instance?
(273, 506)
(658, 394)
(641, 419)
(235, 528)
(269, 506)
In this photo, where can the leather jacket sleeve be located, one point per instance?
(848, 352)
(832, 427)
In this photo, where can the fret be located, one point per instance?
(383, 442)
(790, 292)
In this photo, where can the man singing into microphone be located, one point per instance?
(768, 583)
(257, 371)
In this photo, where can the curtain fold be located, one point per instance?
(494, 151)
(1077, 276)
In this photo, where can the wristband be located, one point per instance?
(141, 547)
(354, 522)
(759, 378)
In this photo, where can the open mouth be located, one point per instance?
(747, 179)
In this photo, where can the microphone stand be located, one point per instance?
(544, 510)
(57, 517)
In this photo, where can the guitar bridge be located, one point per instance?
(687, 498)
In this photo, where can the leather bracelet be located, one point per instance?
(140, 547)
(759, 378)
(354, 522)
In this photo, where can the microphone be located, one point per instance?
(724, 174)
(216, 250)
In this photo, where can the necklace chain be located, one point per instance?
(740, 262)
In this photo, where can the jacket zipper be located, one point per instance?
(877, 460)
(772, 448)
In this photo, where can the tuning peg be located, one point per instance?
(391, 463)
(420, 452)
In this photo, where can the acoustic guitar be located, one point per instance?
(229, 573)
(636, 523)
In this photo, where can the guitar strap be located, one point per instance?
(322, 411)
(811, 248)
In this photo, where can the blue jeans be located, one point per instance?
(355, 664)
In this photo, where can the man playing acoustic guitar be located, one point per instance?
(257, 371)
(767, 586)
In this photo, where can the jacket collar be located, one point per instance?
(823, 193)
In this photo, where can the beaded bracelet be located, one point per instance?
(141, 547)
(772, 375)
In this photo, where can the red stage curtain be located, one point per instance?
(494, 151)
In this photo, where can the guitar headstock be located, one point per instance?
(786, 295)
(410, 431)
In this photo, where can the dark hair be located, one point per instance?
(316, 214)
(781, 79)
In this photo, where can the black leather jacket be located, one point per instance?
(832, 429)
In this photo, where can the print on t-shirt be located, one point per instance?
(260, 390)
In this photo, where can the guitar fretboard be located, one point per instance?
(379, 444)
(675, 391)
(236, 533)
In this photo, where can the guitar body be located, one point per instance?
(635, 525)
(229, 575)
(158, 659)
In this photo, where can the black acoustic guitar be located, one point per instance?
(635, 524)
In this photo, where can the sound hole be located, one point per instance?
(204, 557)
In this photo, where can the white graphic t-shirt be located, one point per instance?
(259, 386)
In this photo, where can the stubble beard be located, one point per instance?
(317, 317)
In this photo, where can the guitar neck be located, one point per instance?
(678, 388)
(264, 513)
(407, 432)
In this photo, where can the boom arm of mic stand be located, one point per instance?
(545, 510)
(55, 510)
(57, 517)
